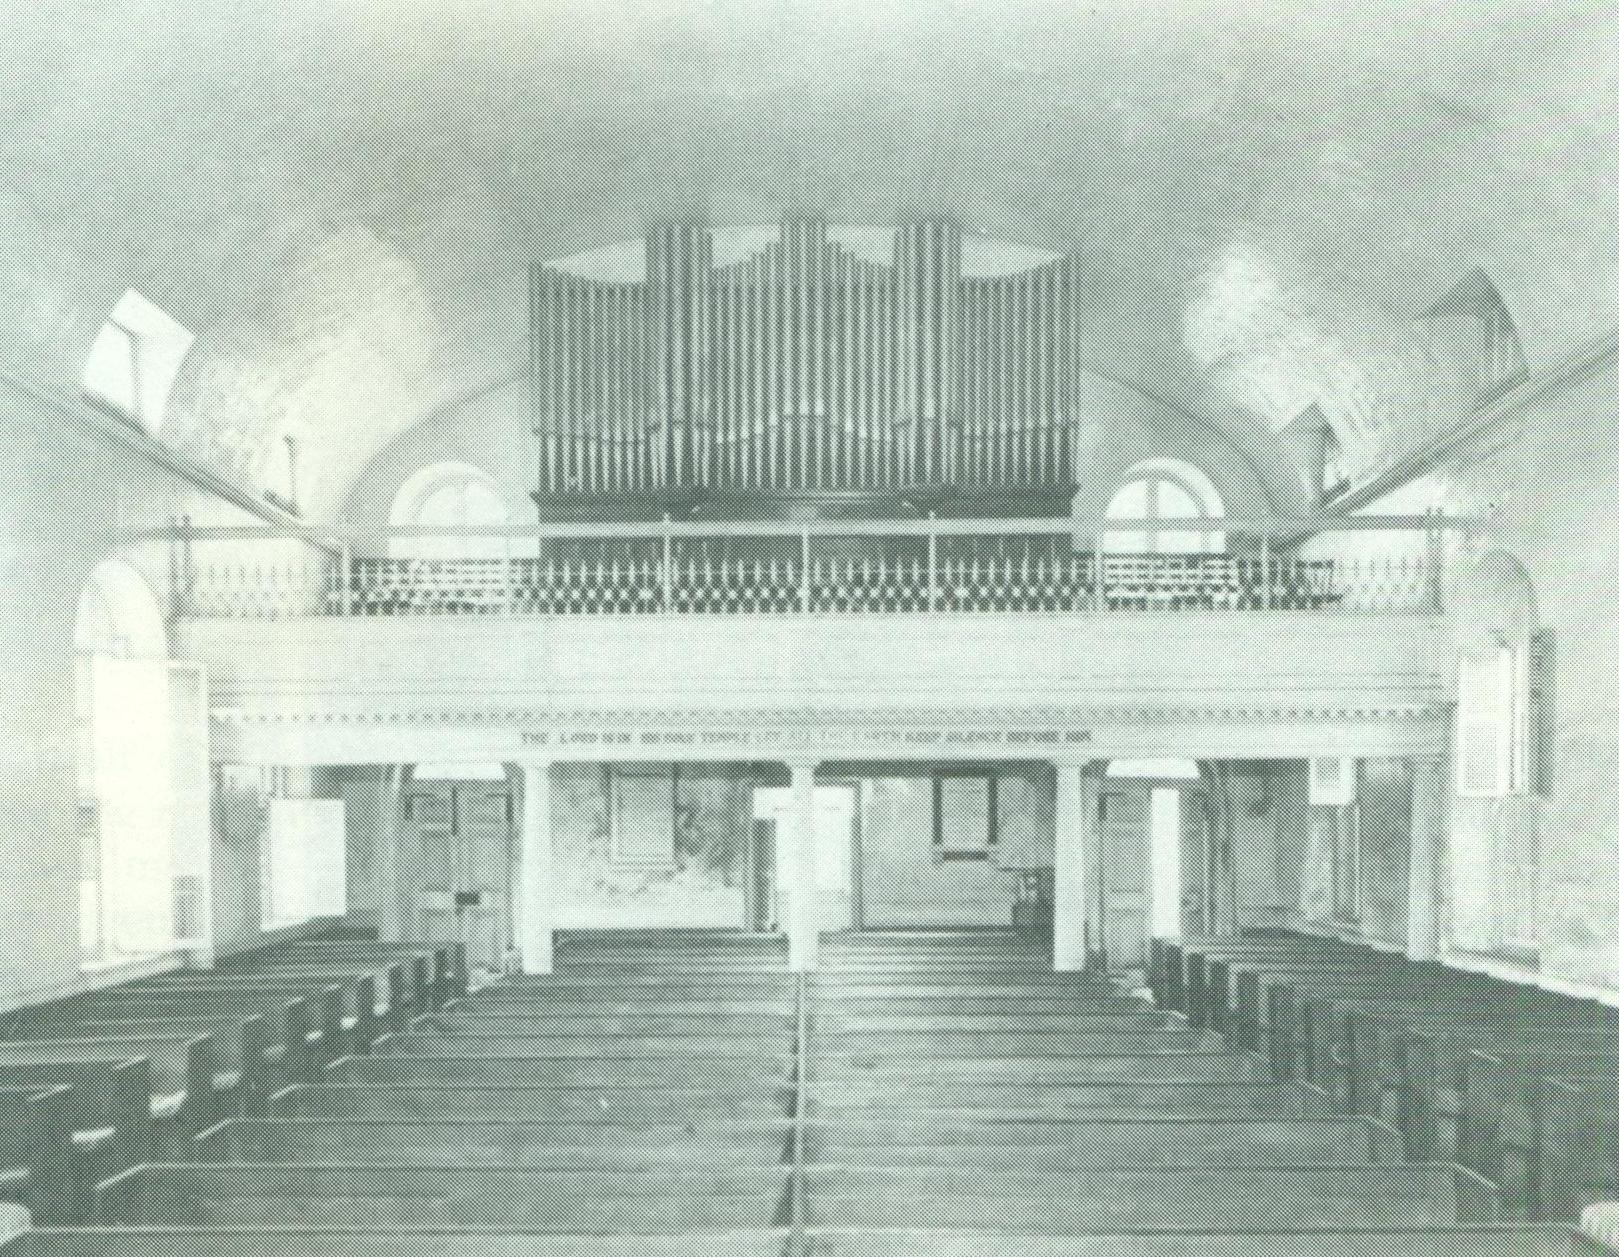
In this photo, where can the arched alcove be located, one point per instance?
(1502, 747)
(123, 753)
(449, 495)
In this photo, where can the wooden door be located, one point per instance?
(1124, 892)
(463, 835)
(1195, 851)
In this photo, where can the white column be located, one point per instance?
(1430, 789)
(392, 917)
(1069, 897)
(534, 933)
(802, 917)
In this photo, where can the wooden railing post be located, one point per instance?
(804, 576)
(1264, 571)
(933, 564)
(668, 579)
(345, 580)
(1436, 564)
(1099, 573)
(188, 569)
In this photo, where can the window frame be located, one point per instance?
(1150, 529)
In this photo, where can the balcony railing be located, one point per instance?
(884, 568)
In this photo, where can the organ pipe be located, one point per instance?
(804, 367)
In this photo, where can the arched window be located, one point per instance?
(134, 360)
(449, 495)
(1162, 496)
(1504, 737)
(125, 765)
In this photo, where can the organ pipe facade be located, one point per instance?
(805, 366)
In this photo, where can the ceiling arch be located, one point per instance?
(339, 200)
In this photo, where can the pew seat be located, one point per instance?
(629, 1104)
(1198, 1197)
(733, 1071)
(496, 1197)
(695, 1140)
(999, 1102)
(42, 1168)
(187, 1086)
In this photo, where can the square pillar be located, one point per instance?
(534, 920)
(799, 874)
(1430, 792)
(1075, 810)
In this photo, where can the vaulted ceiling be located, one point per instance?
(339, 198)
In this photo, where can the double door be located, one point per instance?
(461, 836)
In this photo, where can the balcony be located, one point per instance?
(888, 568)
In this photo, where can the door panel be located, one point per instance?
(1194, 863)
(1125, 893)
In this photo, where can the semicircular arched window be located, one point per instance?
(1154, 510)
(450, 495)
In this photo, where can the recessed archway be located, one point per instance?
(451, 495)
(123, 763)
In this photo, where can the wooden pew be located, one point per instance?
(1335, 1037)
(407, 980)
(545, 1043)
(332, 1006)
(189, 1089)
(471, 1018)
(262, 1035)
(1400, 1063)
(497, 1197)
(1235, 986)
(695, 1139)
(109, 1103)
(898, 1073)
(1186, 963)
(1461, 1241)
(41, 1167)
(945, 1140)
(1458, 1241)
(347, 1005)
(528, 1103)
(449, 960)
(935, 1141)
(1241, 1010)
(1259, 992)
(679, 1072)
(1293, 1006)
(1548, 1129)
(1351, 1197)
(580, 1046)
(991, 1104)
(281, 1241)
(498, 1002)
(1189, 1198)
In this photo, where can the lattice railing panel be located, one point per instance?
(785, 574)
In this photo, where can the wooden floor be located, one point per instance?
(683, 1093)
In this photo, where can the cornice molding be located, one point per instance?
(509, 717)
